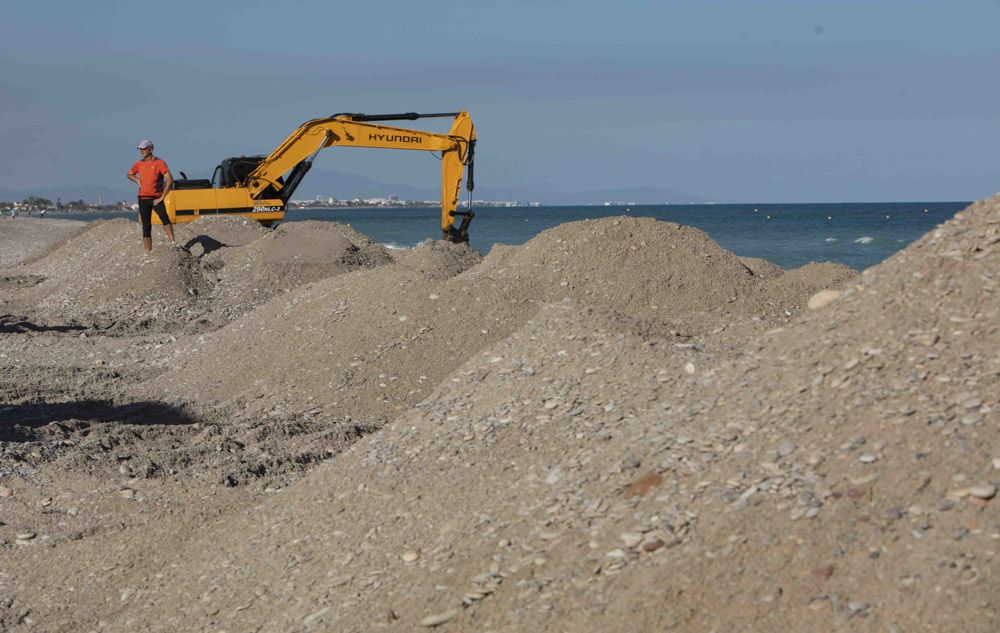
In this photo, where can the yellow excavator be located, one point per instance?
(259, 187)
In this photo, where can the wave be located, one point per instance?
(864, 240)
(830, 239)
(393, 246)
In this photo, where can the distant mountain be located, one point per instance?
(87, 193)
(628, 195)
(330, 183)
(344, 186)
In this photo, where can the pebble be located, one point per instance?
(631, 540)
(868, 458)
(984, 491)
(312, 619)
(927, 339)
(554, 476)
(641, 486)
(823, 298)
(856, 607)
(410, 556)
(652, 544)
(972, 403)
(127, 493)
(438, 619)
(786, 448)
(25, 536)
(971, 418)
(9, 492)
(689, 368)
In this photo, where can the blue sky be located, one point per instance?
(734, 101)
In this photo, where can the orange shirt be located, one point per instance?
(150, 176)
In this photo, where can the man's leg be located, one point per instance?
(146, 219)
(161, 210)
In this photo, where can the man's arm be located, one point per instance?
(131, 176)
(168, 184)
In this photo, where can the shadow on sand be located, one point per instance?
(18, 420)
(14, 325)
(207, 244)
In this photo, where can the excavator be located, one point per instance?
(259, 187)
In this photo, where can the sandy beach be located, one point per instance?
(21, 238)
(617, 426)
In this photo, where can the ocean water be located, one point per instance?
(789, 235)
(859, 235)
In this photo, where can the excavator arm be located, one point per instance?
(259, 187)
(295, 155)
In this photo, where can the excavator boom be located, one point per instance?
(264, 192)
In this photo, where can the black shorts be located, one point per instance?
(146, 208)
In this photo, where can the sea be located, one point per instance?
(858, 235)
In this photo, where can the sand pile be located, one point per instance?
(834, 474)
(553, 452)
(32, 238)
(98, 275)
(294, 254)
(349, 353)
(374, 333)
(228, 266)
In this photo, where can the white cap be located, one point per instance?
(144, 143)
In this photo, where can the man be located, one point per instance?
(155, 182)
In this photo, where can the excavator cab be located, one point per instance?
(232, 172)
(191, 183)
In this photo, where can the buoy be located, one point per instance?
(768, 217)
(829, 217)
(886, 216)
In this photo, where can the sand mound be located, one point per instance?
(438, 259)
(210, 233)
(553, 438)
(794, 287)
(101, 276)
(637, 266)
(836, 474)
(294, 254)
(762, 268)
(374, 342)
(30, 238)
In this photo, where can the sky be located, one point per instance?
(777, 101)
